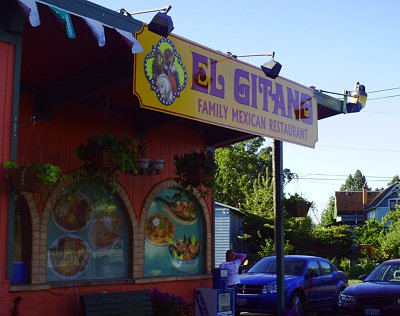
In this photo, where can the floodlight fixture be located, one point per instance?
(358, 98)
(271, 68)
(161, 23)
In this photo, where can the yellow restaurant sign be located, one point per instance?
(176, 76)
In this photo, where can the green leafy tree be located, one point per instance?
(328, 214)
(390, 243)
(260, 199)
(239, 165)
(395, 179)
(334, 241)
(355, 183)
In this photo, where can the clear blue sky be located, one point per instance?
(326, 44)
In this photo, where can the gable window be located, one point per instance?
(393, 203)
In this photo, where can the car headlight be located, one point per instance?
(348, 299)
(269, 288)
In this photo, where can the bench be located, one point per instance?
(136, 303)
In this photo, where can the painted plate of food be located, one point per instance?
(69, 256)
(72, 212)
(184, 253)
(183, 212)
(159, 229)
(105, 229)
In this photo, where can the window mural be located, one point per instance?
(173, 235)
(87, 235)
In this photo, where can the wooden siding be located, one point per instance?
(7, 60)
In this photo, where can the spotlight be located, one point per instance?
(271, 68)
(162, 24)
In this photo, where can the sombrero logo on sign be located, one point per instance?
(165, 71)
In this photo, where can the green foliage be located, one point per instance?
(299, 232)
(259, 200)
(369, 233)
(196, 163)
(355, 268)
(47, 173)
(122, 150)
(355, 183)
(395, 179)
(328, 214)
(240, 165)
(390, 243)
(335, 241)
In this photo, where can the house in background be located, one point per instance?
(350, 206)
(385, 202)
(354, 207)
(228, 224)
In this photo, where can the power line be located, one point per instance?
(359, 148)
(386, 97)
(382, 90)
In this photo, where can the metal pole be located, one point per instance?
(277, 169)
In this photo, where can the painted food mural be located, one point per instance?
(87, 236)
(159, 229)
(72, 212)
(69, 256)
(173, 234)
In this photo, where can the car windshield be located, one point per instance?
(387, 272)
(268, 265)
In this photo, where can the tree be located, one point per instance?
(355, 183)
(239, 165)
(328, 214)
(395, 179)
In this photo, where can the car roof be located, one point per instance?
(301, 257)
(396, 261)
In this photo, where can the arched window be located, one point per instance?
(88, 234)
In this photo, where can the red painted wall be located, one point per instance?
(6, 96)
(55, 142)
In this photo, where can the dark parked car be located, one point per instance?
(310, 283)
(378, 294)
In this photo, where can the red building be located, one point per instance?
(71, 71)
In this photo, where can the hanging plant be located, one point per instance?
(33, 177)
(111, 152)
(196, 169)
(297, 206)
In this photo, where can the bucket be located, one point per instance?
(19, 273)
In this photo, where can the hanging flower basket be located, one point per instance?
(196, 169)
(33, 177)
(197, 175)
(297, 206)
(25, 180)
(110, 152)
(101, 158)
(298, 209)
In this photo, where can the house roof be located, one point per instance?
(220, 205)
(378, 199)
(351, 202)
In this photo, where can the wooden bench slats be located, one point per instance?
(118, 303)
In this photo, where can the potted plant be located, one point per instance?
(33, 177)
(196, 169)
(109, 151)
(296, 205)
